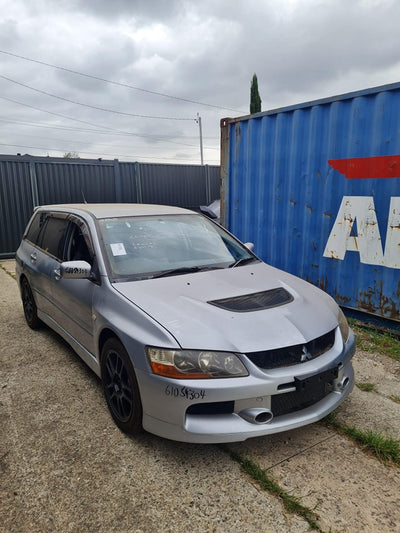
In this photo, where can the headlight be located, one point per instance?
(194, 364)
(343, 325)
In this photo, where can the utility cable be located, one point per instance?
(130, 134)
(75, 141)
(103, 132)
(91, 106)
(119, 83)
(90, 153)
(56, 114)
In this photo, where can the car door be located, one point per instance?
(31, 256)
(46, 239)
(73, 297)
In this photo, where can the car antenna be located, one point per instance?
(83, 196)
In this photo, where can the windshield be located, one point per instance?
(154, 246)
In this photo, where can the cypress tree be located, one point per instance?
(255, 99)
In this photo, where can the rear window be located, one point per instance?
(35, 227)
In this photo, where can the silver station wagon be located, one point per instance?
(194, 337)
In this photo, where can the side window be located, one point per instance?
(54, 236)
(36, 227)
(77, 248)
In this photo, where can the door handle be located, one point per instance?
(33, 257)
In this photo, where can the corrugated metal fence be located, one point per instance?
(27, 181)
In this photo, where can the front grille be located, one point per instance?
(293, 355)
(308, 392)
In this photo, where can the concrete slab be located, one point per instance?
(349, 490)
(8, 265)
(275, 449)
(370, 410)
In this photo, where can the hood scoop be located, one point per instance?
(255, 302)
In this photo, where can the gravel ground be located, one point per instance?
(64, 465)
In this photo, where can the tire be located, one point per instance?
(29, 305)
(120, 387)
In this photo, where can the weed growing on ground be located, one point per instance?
(367, 386)
(395, 398)
(384, 448)
(7, 271)
(290, 502)
(370, 339)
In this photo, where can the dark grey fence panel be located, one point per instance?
(182, 186)
(130, 183)
(75, 182)
(15, 204)
(27, 181)
(214, 184)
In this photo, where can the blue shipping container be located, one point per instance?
(316, 187)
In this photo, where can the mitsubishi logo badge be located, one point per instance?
(305, 356)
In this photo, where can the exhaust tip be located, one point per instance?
(256, 415)
(343, 383)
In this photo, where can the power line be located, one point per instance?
(64, 128)
(102, 144)
(102, 132)
(55, 114)
(153, 137)
(119, 83)
(89, 105)
(90, 153)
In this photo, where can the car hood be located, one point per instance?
(180, 304)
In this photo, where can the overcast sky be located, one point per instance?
(172, 59)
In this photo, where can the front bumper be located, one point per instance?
(169, 406)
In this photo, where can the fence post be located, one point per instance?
(117, 181)
(34, 187)
(208, 184)
(138, 183)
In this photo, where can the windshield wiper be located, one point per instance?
(180, 270)
(242, 261)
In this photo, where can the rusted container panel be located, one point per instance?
(316, 187)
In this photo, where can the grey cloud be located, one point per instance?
(141, 10)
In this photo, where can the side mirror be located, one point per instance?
(75, 270)
(249, 246)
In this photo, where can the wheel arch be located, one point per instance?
(106, 334)
(21, 278)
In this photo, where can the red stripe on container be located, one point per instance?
(368, 167)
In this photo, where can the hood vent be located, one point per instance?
(256, 301)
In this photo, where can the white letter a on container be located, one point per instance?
(367, 242)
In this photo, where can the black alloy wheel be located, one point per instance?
(120, 387)
(29, 305)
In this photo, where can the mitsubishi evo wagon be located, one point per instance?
(194, 337)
